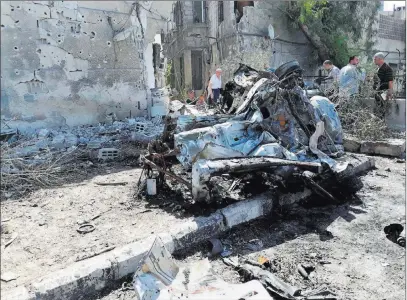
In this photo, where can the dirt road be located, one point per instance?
(359, 261)
(45, 223)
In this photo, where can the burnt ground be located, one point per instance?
(45, 220)
(359, 262)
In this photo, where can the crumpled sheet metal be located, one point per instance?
(238, 137)
(204, 169)
(159, 278)
(325, 110)
(245, 76)
(250, 95)
(269, 112)
(272, 149)
(177, 108)
(283, 125)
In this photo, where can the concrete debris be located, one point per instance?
(302, 271)
(37, 158)
(134, 129)
(108, 153)
(391, 147)
(159, 278)
(265, 131)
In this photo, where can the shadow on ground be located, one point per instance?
(283, 226)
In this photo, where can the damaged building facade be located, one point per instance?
(77, 62)
(204, 35)
(391, 28)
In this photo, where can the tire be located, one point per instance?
(287, 68)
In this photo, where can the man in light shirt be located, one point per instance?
(333, 71)
(330, 81)
(350, 78)
(215, 84)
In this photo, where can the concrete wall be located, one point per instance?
(74, 62)
(396, 114)
(392, 36)
(226, 44)
(247, 41)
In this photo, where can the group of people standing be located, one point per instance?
(346, 81)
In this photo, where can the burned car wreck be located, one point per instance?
(266, 136)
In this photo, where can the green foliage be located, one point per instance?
(337, 24)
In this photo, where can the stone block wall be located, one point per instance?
(247, 41)
(73, 62)
(392, 28)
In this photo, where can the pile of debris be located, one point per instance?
(159, 277)
(267, 135)
(39, 159)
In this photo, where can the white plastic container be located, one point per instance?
(151, 187)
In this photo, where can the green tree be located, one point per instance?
(333, 27)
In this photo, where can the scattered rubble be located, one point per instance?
(159, 279)
(41, 158)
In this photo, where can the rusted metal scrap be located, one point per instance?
(203, 170)
(270, 281)
(267, 130)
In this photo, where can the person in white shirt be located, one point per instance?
(350, 78)
(333, 71)
(330, 81)
(215, 84)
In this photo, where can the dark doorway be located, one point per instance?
(196, 64)
(238, 6)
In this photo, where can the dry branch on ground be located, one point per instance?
(41, 170)
(360, 119)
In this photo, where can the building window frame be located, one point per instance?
(221, 14)
(200, 15)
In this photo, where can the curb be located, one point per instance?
(86, 278)
(391, 147)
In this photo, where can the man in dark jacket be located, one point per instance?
(383, 83)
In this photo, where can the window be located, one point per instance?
(220, 11)
(199, 12)
(178, 14)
